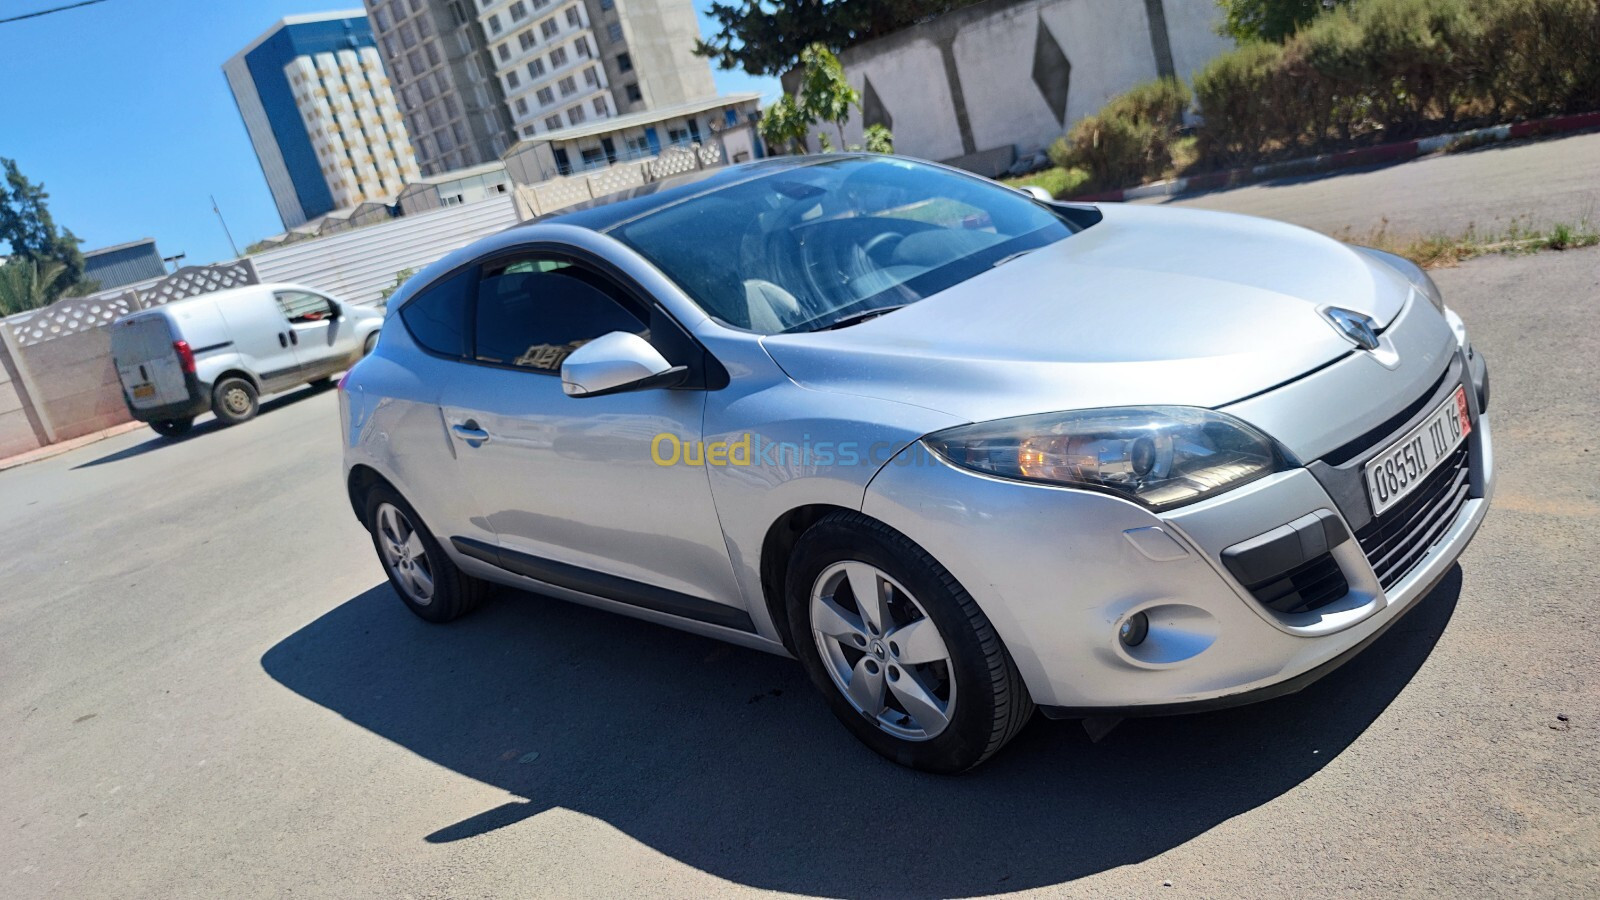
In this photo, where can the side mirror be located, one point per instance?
(1037, 193)
(617, 362)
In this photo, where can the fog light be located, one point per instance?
(1134, 629)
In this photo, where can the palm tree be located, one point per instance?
(25, 284)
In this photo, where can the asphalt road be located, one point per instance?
(1531, 184)
(209, 690)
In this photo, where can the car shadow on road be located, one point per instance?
(725, 759)
(206, 426)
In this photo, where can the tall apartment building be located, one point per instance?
(444, 77)
(319, 110)
(546, 64)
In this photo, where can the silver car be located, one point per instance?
(962, 452)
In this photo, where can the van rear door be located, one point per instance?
(147, 361)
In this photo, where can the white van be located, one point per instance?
(221, 351)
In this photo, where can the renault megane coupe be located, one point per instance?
(962, 451)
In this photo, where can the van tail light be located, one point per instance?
(185, 356)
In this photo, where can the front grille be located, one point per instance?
(1397, 540)
(1309, 587)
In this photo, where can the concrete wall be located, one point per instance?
(18, 432)
(1004, 78)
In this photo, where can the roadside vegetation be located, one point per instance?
(1362, 73)
(39, 263)
(1442, 251)
(824, 99)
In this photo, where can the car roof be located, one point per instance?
(607, 212)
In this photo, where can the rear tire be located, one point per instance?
(234, 400)
(173, 428)
(420, 572)
(370, 345)
(919, 675)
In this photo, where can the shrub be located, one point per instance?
(1130, 139)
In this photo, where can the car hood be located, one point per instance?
(1149, 306)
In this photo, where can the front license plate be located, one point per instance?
(1398, 470)
(144, 391)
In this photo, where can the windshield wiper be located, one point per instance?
(858, 317)
(1005, 259)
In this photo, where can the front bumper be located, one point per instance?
(1058, 570)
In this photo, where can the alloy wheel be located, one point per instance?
(882, 650)
(404, 554)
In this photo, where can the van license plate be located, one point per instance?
(144, 391)
(1398, 470)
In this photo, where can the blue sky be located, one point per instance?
(121, 110)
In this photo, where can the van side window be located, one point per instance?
(437, 316)
(301, 306)
(535, 310)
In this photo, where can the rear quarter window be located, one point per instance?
(437, 316)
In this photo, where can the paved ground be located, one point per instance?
(206, 689)
(1541, 183)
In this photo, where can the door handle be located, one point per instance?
(294, 338)
(283, 339)
(470, 432)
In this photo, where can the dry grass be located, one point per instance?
(1441, 251)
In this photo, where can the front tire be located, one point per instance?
(173, 428)
(419, 571)
(906, 659)
(234, 400)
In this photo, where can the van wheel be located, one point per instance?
(234, 400)
(902, 653)
(173, 427)
(418, 569)
(372, 342)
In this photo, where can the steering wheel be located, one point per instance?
(870, 248)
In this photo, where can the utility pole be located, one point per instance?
(218, 211)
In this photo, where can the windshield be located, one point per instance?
(824, 244)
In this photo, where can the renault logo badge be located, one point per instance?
(1359, 328)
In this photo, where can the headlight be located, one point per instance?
(1413, 273)
(1160, 456)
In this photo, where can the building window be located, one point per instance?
(558, 57)
(408, 35)
(526, 39)
(607, 5)
(503, 51)
(513, 80)
(552, 123)
(614, 32)
(458, 13)
(624, 62)
(593, 157)
(549, 28)
(633, 93)
(568, 86)
(546, 96)
(494, 24)
(582, 46)
(600, 107)
(590, 77)
(433, 53)
(529, 131)
(575, 115)
(572, 17)
(536, 68)
(519, 11)
(522, 106)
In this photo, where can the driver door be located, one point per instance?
(569, 485)
(311, 331)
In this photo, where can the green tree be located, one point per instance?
(27, 284)
(783, 125)
(825, 95)
(27, 228)
(1269, 20)
(766, 37)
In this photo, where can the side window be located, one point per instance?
(535, 310)
(437, 317)
(300, 306)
